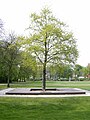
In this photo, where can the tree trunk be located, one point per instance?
(8, 81)
(9, 72)
(44, 67)
(44, 77)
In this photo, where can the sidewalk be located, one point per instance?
(2, 94)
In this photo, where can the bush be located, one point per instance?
(64, 79)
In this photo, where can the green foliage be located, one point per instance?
(15, 63)
(61, 72)
(28, 66)
(50, 42)
(60, 45)
(9, 54)
(85, 71)
(78, 70)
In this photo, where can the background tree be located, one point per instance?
(68, 72)
(61, 72)
(50, 42)
(56, 71)
(15, 63)
(85, 72)
(9, 55)
(27, 66)
(3, 69)
(78, 70)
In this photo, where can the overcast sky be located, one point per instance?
(75, 13)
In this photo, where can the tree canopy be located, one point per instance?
(50, 41)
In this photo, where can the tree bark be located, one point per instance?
(44, 66)
(44, 77)
(8, 81)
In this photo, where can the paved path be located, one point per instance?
(2, 94)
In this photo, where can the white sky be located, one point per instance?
(75, 13)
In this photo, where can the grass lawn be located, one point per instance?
(74, 108)
(50, 84)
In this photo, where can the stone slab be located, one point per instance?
(37, 91)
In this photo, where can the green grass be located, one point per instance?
(50, 84)
(74, 108)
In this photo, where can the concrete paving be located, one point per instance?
(49, 91)
(3, 94)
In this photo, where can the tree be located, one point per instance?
(61, 71)
(84, 71)
(27, 66)
(78, 70)
(50, 42)
(9, 55)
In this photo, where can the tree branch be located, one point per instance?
(38, 58)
